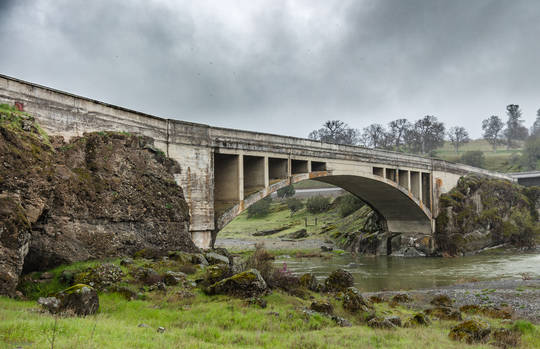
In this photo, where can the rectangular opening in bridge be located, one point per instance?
(318, 166)
(226, 180)
(253, 174)
(277, 169)
(403, 178)
(391, 174)
(415, 184)
(426, 198)
(299, 166)
(378, 171)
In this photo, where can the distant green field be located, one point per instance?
(311, 184)
(498, 160)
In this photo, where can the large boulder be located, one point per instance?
(80, 299)
(353, 301)
(338, 280)
(322, 306)
(247, 284)
(105, 194)
(215, 273)
(215, 258)
(471, 331)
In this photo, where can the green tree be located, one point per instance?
(492, 128)
(286, 192)
(531, 153)
(318, 204)
(294, 205)
(514, 125)
(473, 158)
(348, 204)
(261, 208)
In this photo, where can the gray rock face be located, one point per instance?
(66, 203)
(247, 284)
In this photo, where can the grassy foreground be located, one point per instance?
(210, 322)
(201, 321)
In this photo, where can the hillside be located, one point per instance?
(502, 159)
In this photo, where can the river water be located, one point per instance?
(398, 273)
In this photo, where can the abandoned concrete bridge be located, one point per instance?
(224, 171)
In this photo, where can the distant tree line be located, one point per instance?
(426, 134)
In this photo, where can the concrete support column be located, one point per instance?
(420, 189)
(240, 177)
(309, 169)
(266, 173)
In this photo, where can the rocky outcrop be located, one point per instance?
(101, 195)
(338, 280)
(484, 212)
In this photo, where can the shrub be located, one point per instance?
(294, 205)
(262, 261)
(473, 158)
(349, 204)
(318, 204)
(286, 192)
(261, 208)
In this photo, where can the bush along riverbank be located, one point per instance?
(218, 299)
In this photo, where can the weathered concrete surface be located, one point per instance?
(403, 187)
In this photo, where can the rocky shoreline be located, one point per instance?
(521, 296)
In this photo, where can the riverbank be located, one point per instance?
(139, 311)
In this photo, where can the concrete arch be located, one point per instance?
(403, 212)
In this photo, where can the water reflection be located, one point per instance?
(394, 273)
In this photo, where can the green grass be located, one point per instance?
(279, 216)
(312, 184)
(498, 160)
(213, 322)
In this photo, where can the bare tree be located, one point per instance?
(426, 135)
(458, 135)
(397, 130)
(492, 128)
(335, 131)
(375, 136)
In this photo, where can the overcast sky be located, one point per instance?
(283, 66)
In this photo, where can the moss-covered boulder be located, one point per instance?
(441, 300)
(401, 298)
(470, 331)
(381, 323)
(418, 319)
(322, 306)
(215, 258)
(353, 301)
(338, 280)
(444, 313)
(79, 299)
(309, 281)
(247, 284)
(482, 212)
(215, 273)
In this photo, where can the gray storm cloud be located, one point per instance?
(283, 66)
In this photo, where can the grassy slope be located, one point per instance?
(214, 322)
(497, 160)
(280, 216)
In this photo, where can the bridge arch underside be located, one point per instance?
(402, 211)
